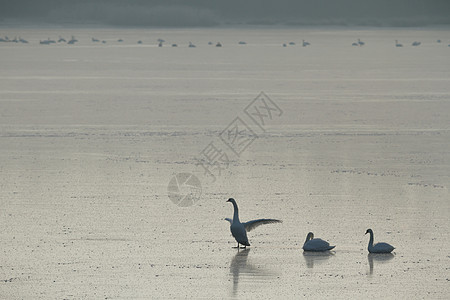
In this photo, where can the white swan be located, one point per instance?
(379, 247)
(239, 230)
(312, 244)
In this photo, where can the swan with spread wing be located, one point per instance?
(239, 230)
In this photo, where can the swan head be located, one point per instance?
(231, 200)
(369, 231)
(309, 237)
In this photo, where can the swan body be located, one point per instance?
(397, 44)
(379, 247)
(312, 244)
(239, 230)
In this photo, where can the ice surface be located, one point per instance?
(92, 133)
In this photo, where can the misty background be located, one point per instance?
(207, 13)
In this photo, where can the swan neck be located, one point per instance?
(371, 239)
(236, 212)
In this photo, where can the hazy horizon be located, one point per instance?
(202, 13)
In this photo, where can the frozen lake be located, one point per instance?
(91, 134)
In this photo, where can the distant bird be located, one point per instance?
(139, 42)
(103, 42)
(379, 247)
(284, 45)
(361, 43)
(210, 43)
(239, 230)
(160, 44)
(2, 40)
(242, 43)
(191, 45)
(23, 41)
(120, 40)
(46, 42)
(174, 45)
(355, 44)
(305, 43)
(291, 43)
(218, 44)
(312, 244)
(438, 41)
(161, 40)
(95, 40)
(72, 41)
(61, 40)
(397, 44)
(415, 43)
(15, 40)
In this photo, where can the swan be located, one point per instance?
(239, 230)
(416, 43)
(397, 44)
(305, 43)
(361, 43)
(312, 244)
(191, 45)
(379, 247)
(72, 41)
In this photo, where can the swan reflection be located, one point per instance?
(312, 258)
(378, 258)
(241, 269)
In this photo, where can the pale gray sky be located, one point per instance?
(216, 12)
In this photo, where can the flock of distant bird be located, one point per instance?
(160, 42)
(239, 231)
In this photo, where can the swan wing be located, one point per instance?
(317, 245)
(382, 248)
(250, 225)
(229, 220)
